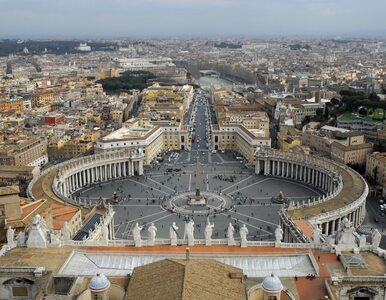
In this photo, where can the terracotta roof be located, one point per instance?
(62, 213)
(186, 279)
(305, 227)
(28, 211)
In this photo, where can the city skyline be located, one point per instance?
(171, 18)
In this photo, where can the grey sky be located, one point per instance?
(81, 18)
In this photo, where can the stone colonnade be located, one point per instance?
(79, 173)
(312, 174)
(321, 173)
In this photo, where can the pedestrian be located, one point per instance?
(318, 258)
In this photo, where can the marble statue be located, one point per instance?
(278, 234)
(105, 233)
(230, 234)
(10, 237)
(37, 236)
(36, 220)
(317, 235)
(208, 233)
(137, 235)
(375, 238)
(189, 232)
(173, 234)
(345, 239)
(21, 239)
(54, 240)
(66, 232)
(243, 235)
(152, 233)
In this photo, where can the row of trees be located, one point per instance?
(352, 101)
(127, 81)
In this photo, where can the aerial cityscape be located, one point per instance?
(185, 157)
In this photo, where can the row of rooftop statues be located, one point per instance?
(189, 234)
(39, 236)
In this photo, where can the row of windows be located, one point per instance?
(124, 144)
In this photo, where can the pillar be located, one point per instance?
(333, 227)
(140, 165)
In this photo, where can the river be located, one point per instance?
(207, 81)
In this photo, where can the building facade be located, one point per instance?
(29, 152)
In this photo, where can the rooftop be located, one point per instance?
(186, 279)
(353, 186)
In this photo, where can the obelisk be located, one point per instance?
(197, 175)
(197, 199)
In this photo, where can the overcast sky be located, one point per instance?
(143, 18)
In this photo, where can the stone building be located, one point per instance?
(376, 169)
(20, 176)
(27, 152)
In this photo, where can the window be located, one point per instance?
(272, 298)
(19, 291)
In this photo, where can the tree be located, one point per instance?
(326, 113)
(374, 97)
(319, 114)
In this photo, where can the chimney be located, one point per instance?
(187, 253)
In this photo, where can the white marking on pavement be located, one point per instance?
(148, 186)
(165, 186)
(257, 219)
(157, 213)
(253, 226)
(236, 183)
(249, 186)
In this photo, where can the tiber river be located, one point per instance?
(207, 81)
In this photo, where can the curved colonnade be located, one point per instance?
(345, 191)
(72, 175)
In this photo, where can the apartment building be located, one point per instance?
(28, 152)
(151, 136)
(376, 169)
(238, 138)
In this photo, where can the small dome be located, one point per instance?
(272, 284)
(99, 283)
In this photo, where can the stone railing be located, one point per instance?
(294, 229)
(35, 179)
(146, 243)
(318, 200)
(5, 249)
(344, 210)
(316, 161)
(37, 272)
(359, 279)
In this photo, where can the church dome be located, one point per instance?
(272, 284)
(99, 283)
